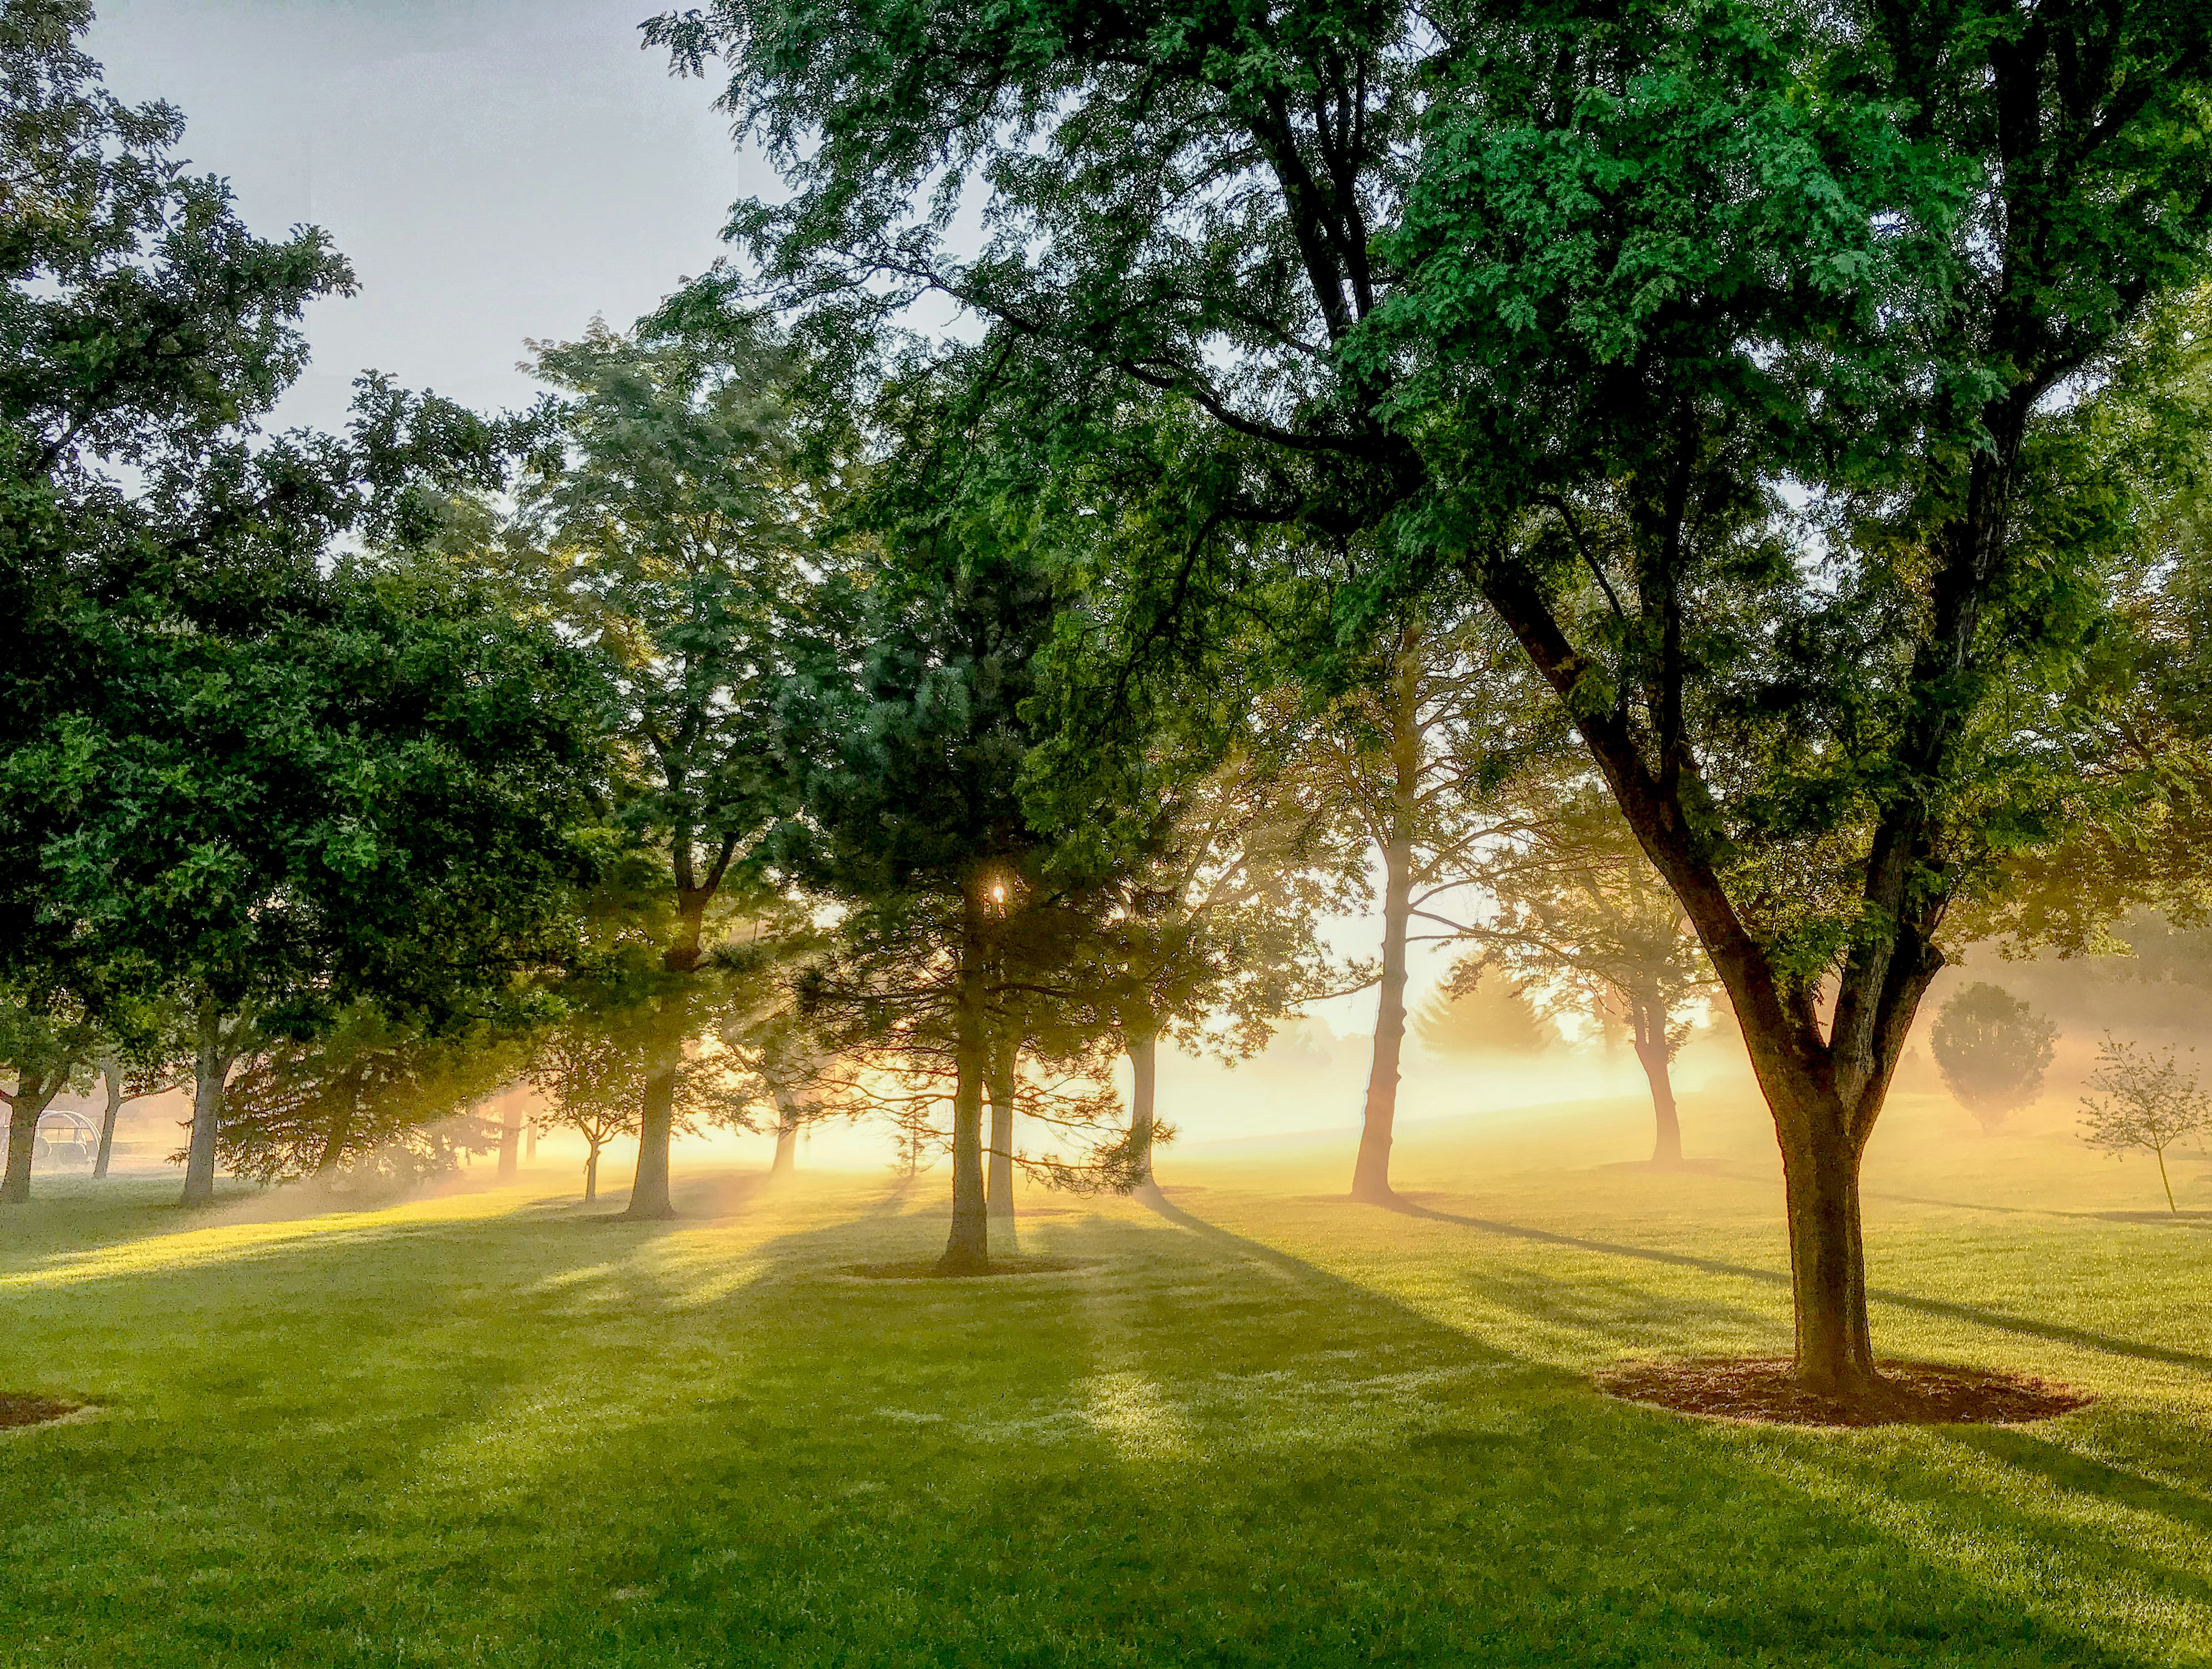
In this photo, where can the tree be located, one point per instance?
(49, 1049)
(2144, 1102)
(670, 536)
(367, 1094)
(1464, 276)
(1576, 912)
(1478, 1017)
(1991, 1049)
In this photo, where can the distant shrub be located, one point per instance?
(1992, 1049)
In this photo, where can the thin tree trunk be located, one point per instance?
(1371, 1176)
(110, 1078)
(33, 1097)
(510, 1137)
(1654, 1056)
(591, 1176)
(2167, 1185)
(211, 1074)
(967, 1248)
(339, 1131)
(1005, 1058)
(1827, 1254)
(786, 1140)
(648, 1192)
(1144, 1063)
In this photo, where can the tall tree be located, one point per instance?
(1470, 272)
(671, 534)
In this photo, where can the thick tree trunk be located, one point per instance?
(1371, 1176)
(1000, 1193)
(968, 1249)
(211, 1074)
(1827, 1254)
(110, 1078)
(510, 1138)
(1144, 1064)
(33, 1097)
(786, 1140)
(648, 1191)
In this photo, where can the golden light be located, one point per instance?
(999, 893)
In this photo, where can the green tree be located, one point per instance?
(1991, 1048)
(672, 535)
(49, 1049)
(2143, 1102)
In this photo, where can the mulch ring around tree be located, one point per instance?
(1911, 1393)
(926, 1268)
(23, 1408)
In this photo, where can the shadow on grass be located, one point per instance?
(497, 1441)
(1979, 1315)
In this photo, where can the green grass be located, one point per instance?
(1267, 1428)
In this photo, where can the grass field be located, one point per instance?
(1264, 1427)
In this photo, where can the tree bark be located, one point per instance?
(510, 1137)
(1005, 1058)
(110, 1078)
(967, 1248)
(211, 1074)
(648, 1191)
(1827, 1254)
(1371, 1176)
(786, 1140)
(1654, 1055)
(591, 1176)
(34, 1095)
(1144, 1065)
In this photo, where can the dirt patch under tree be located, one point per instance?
(1917, 1393)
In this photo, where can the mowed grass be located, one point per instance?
(1262, 1427)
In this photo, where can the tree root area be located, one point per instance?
(20, 1408)
(1767, 1390)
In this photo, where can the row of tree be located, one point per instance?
(1688, 495)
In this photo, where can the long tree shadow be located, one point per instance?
(504, 1441)
(1979, 1315)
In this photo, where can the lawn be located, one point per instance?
(1262, 1426)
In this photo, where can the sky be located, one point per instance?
(499, 170)
(495, 169)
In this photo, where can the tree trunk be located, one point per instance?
(110, 1078)
(1655, 1057)
(786, 1140)
(510, 1137)
(1827, 1255)
(1371, 1176)
(210, 1073)
(968, 1249)
(33, 1097)
(340, 1129)
(1144, 1062)
(648, 1190)
(591, 1176)
(1005, 1059)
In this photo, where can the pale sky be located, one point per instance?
(495, 169)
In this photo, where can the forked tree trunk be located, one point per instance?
(33, 1097)
(110, 1078)
(1653, 1054)
(210, 1074)
(1000, 1193)
(1144, 1067)
(648, 1191)
(968, 1249)
(1371, 1176)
